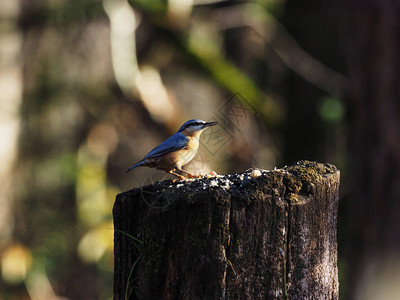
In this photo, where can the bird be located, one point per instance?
(176, 151)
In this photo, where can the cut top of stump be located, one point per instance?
(299, 180)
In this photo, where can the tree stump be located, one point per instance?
(236, 236)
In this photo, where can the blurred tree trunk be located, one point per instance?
(52, 129)
(315, 25)
(374, 141)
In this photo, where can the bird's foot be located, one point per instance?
(189, 175)
(177, 175)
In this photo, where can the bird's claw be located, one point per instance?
(177, 175)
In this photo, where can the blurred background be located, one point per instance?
(88, 87)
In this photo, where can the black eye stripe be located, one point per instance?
(193, 124)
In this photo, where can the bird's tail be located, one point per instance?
(140, 163)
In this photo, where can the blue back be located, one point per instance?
(173, 143)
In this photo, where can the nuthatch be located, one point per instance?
(177, 150)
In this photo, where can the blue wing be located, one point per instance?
(173, 143)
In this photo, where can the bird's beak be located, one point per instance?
(208, 124)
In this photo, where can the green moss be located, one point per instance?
(310, 171)
(293, 184)
(302, 178)
(274, 180)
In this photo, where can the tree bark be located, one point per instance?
(230, 237)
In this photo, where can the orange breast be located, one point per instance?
(176, 159)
